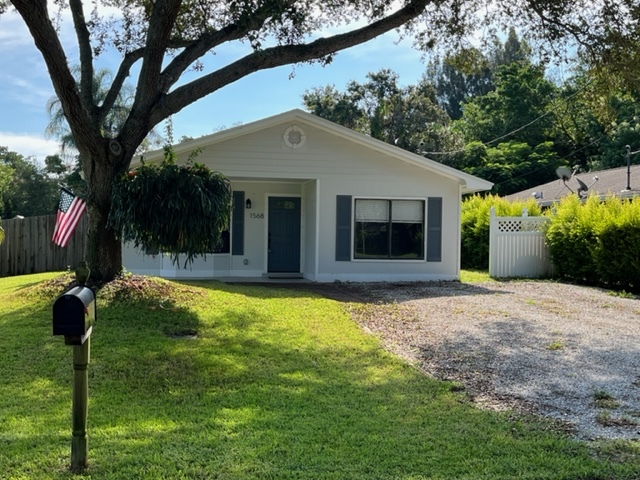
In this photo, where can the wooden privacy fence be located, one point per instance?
(27, 246)
(517, 247)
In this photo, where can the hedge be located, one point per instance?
(596, 242)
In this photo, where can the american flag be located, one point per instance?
(70, 210)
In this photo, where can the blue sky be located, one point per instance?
(25, 86)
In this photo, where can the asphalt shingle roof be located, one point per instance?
(609, 182)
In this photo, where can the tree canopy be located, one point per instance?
(470, 72)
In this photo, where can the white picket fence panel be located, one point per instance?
(517, 247)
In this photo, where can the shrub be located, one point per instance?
(618, 243)
(596, 242)
(476, 222)
(571, 235)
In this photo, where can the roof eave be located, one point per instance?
(469, 183)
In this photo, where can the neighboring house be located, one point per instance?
(319, 201)
(622, 182)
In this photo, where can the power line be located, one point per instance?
(513, 132)
(563, 158)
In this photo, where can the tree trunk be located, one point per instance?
(104, 248)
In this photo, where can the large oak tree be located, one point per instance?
(164, 39)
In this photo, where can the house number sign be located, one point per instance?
(256, 215)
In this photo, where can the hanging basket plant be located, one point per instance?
(175, 209)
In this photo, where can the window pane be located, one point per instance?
(372, 211)
(407, 241)
(407, 211)
(371, 240)
(389, 229)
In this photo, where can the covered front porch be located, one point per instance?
(271, 236)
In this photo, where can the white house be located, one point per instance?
(319, 201)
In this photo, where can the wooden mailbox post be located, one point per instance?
(74, 314)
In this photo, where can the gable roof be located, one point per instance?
(609, 182)
(469, 183)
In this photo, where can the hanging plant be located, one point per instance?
(176, 209)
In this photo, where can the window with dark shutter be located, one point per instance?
(389, 229)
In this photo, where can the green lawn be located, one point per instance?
(277, 384)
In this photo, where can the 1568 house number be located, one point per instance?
(256, 215)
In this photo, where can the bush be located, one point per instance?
(596, 242)
(476, 222)
(571, 237)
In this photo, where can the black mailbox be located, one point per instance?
(74, 313)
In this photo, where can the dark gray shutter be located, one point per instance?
(237, 224)
(343, 228)
(434, 229)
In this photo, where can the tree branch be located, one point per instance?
(161, 24)
(116, 86)
(278, 56)
(86, 57)
(209, 41)
(36, 17)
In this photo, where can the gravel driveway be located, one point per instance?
(571, 353)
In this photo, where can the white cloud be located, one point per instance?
(32, 91)
(13, 32)
(29, 145)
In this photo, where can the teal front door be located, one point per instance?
(284, 235)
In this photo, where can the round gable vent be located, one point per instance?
(294, 137)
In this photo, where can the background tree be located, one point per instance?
(512, 166)
(30, 190)
(596, 117)
(522, 97)
(6, 174)
(512, 127)
(462, 75)
(68, 174)
(459, 77)
(623, 131)
(408, 117)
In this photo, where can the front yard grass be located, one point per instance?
(240, 382)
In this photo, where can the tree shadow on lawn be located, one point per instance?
(371, 292)
(254, 397)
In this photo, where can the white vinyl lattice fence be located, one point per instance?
(517, 247)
